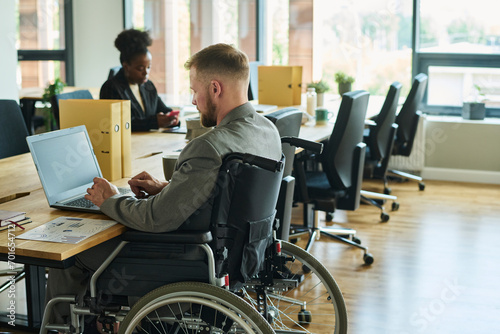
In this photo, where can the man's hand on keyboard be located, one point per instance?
(144, 185)
(101, 191)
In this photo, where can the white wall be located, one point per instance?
(462, 150)
(8, 52)
(96, 25)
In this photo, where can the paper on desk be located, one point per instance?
(67, 230)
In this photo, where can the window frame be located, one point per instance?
(66, 55)
(422, 61)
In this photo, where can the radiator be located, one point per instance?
(415, 162)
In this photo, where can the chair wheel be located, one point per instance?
(306, 269)
(305, 317)
(368, 258)
(387, 191)
(384, 217)
(329, 216)
(395, 206)
(356, 240)
(421, 186)
(294, 240)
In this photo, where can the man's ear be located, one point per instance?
(215, 88)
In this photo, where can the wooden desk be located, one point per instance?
(18, 177)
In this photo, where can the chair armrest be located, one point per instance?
(302, 143)
(174, 237)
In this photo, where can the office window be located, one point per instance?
(448, 26)
(43, 51)
(187, 26)
(458, 46)
(38, 73)
(367, 39)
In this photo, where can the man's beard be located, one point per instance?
(209, 118)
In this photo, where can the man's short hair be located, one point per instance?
(219, 60)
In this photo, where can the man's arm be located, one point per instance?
(190, 187)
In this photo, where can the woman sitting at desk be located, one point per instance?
(131, 83)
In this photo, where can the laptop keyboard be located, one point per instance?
(85, 203)
(81, 203)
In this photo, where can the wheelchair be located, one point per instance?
(234, 278)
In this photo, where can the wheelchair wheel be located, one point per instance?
(316, 305)
(192, 307)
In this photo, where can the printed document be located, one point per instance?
(67, 230)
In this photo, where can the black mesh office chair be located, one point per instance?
(407, 121)
(338, 184)
(379, 140)
(187, 270)
(77, 94)
(13, 131)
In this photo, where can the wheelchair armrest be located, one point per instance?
(174, 237)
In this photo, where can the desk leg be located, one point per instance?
(35, 294)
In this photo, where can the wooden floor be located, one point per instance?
(437, 261)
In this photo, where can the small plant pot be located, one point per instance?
(344, 88)
(473, 110)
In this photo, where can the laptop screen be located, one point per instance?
(65, 162)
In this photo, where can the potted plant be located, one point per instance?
(50, 91)
(474, 107)
(344, 81)
(321, 88)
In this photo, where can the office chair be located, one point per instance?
(288, 122)
(379, 140)
(113, 71)
(77, 94)
(407, 121)
(13, 130)
(253, 84)
(226, 279)
(337, 184)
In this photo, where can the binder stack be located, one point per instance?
(109, 128)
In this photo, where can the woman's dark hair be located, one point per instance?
(131, 43)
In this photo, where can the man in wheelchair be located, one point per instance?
(219, 77)
(218, 269)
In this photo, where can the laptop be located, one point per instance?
(66, 164)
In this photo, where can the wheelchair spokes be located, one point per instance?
(185, 308)
(314, 305)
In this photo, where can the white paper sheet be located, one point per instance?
(67, 230)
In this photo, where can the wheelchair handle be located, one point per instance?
(305, 144)
(264, 163)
